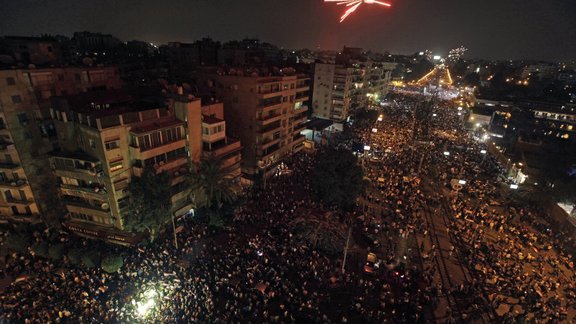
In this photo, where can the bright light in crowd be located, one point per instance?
(374, 130)
(447, 153)
(146, 303)
(380, 118)
(459, 108)
(514, 186)
(462, 182)
(477, 124)
(437, 57)
(434, 115)
(366, 148)
(483, 152)
(459, 114)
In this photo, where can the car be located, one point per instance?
(370, 263)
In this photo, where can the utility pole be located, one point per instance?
(174, 229)
(346, 248)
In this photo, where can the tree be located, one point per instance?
(112, 263)
(55, 252)
(337, 179)
(18, 242)
(91, 259)
(75, 256)
(210, 187)
(150, 204)
(41, 249)
(365, 118)
(321, 232)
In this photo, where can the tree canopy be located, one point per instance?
(211, 189)
(337, 179)
(150, 204)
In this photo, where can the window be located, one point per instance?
(112, 145)
(10, 81)
(23, 118)
(16, 99)
(115, 166)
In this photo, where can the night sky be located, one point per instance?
(493, 29)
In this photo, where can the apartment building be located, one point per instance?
(266, 113)
(107, 138)
(340, 88)
(332, 93)
(215, 142)
(27, 134)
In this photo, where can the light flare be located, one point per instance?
(355, 4)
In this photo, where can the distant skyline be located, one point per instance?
(490, 29)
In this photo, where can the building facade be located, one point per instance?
(28, 134)
(266, 113)
(107, 142)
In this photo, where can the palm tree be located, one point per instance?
(211, 187)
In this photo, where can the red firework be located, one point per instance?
(354, 4)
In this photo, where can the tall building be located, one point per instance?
(107, 138)
(265, 112)
(341, 88)
(33, 50)
(332, 95)
(215, 142)
(28, 134)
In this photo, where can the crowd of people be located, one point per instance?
(260, 270)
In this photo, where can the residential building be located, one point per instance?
(266, 112)
(215, 142)
(33, 50)
(28, 134)
(109, 137)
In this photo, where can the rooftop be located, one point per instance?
(211, 120)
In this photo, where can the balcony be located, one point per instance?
(298, 139)
(266, 154)
(302, 96)
(81, 207)
(267, 105)
(266, 143)
(144, 154)
(5, 147)
(21, 202)
(9, 166)
(13, 184)
(301, 109)
(223, 148)
(94, 193)
(265, 120)
(299, 119)
(299, 128)
(270, 129)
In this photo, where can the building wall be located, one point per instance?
(263, 112)
(25, 100)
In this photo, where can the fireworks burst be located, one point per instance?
(354, 4)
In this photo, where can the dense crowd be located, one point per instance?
(259, 270)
